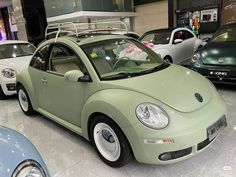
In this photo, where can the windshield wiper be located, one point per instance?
(120, 75)
(154, 69)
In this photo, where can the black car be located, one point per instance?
(217, 59)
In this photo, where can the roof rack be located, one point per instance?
(77, 29)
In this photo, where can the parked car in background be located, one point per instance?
(217, 59)
(86, 85)
(14, 56)
(129, 34)
(19, 157)
(175, 45)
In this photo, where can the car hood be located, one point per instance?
(219, 53)
(14, 149)
(17, 63)
(174, 86)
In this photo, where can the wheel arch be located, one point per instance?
(96, 114)
(24, 79)
(113, 103)
(168, 57)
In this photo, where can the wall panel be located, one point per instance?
(151, 16)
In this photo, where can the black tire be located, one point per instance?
(29, 110)
(2, 95)
(168, 59)
(125, 151)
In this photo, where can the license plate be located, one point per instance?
(219, 73)
(215, 128)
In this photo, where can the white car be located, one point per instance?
(174, 45)
(14, 56)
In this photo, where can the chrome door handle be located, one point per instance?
(44, 81)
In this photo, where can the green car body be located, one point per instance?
(217, 59)
(75, 103)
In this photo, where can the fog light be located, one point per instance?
(165, 156)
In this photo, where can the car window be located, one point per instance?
(182, 34)
(16, 50)
(38, 60)
(188, 35)
(225, 34)
(63, 59)
(179, 35)
(116, 57)
(158, 37)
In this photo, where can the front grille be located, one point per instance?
(11, 87)
(203, 144)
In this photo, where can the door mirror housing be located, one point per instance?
(73, 75)
(178, 41)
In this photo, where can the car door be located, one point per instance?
(183, 51)
(62, 99)
(188, 45)
(177, 48)
(36, 68)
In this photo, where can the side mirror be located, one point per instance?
(73, 75)
(178, 41)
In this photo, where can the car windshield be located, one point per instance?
(225, 34)
(157, 37)
(16, 50)
(120, 58)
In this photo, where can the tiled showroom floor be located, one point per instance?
(69, 155)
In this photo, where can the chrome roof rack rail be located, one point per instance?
(71, 28)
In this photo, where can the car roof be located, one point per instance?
(165, 30)
(91, 39)
(12, 42)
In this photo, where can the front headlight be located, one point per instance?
(9, 73)
(152, 116)
(196, 60)
(29, 168)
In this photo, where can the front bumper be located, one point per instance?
(8, 86)
(188, 132)
(217, 74)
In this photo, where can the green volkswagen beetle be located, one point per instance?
(120, 95)
(217, 59)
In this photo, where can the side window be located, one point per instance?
(179, 35)
(63, 59)
(188, 35)
(149, 37)
(38, 60)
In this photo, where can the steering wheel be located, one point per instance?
(123, 58)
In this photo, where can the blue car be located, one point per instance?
(19, 157)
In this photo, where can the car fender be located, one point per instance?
(15, 149)
(118, 104)
(24, 79)
(198, 43)
(163, 53)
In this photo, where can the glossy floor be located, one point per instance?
(68, 155)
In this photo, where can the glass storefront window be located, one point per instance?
(60, 7)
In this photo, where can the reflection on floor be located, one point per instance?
(68, 155)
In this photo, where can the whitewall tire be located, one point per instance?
(110, 142)
(24, 101)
